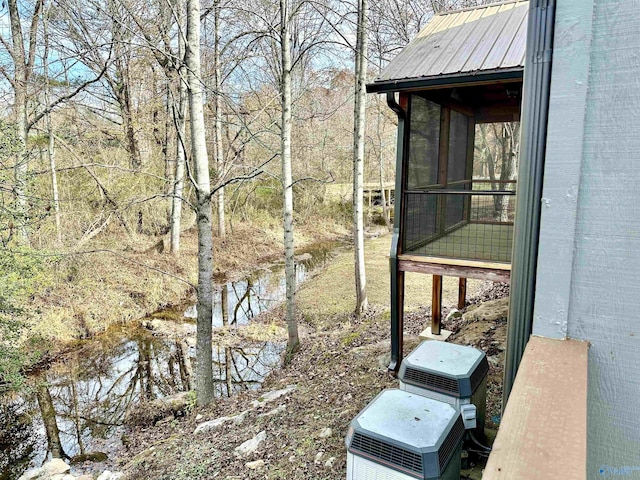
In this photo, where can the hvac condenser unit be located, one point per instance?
(404, 436)
(450, 373)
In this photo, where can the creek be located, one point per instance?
(78, 404)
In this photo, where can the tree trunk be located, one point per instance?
(51, 146)
(23, 68)
(48, 413)
(511, 134)
(184, 363)
(358, 158)
(178, 185)
(217, 86)
(287, 182)
(204, 370)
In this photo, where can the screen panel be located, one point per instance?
(458, 142)
(424, 144)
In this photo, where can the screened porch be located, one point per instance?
(460, 186)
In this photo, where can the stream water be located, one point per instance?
(82, 398)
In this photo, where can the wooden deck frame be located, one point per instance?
(455, 267)
(438, 267)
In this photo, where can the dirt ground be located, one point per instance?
(340, 367)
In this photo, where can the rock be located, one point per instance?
(275, 411)
(238, 419)
(292, 458)
(108, 475)
(454, 313)
(491, 311)
(62, 476)
(325, 433)
(89, 457)
(148, 413)
(271, 396)
(384, 360)
(211, 425)
(199, 417)
(85, 477)
(329, 463)
(31, 474)
(215, 424)
(256, 465)
(55, 466)
(251, 445)
(318, 458)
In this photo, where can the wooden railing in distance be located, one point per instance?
(543, 433)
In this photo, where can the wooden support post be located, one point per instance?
(462, 293)
(436, 305)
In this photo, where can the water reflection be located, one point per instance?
(77, 407)
(238, 302)
(244, 368)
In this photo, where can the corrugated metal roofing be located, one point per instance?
(471, 41)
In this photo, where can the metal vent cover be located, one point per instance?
(390, 454)
(448, 447)
(434, 381)
(405, 432)
(450, 369)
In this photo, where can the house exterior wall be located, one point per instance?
(588, 277)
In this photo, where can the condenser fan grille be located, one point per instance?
(450, 444)
(388, 453)
(426, 379)
(479, 373)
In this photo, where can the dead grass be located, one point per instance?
(333, 292)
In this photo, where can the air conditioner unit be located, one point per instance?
(450, 373)
(404, 436)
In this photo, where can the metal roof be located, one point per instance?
(482, 41)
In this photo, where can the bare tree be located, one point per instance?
(204, 370)
(180, 121)
(51, 143)
(287, 179)
(23, 61)
(358, 156)
(217, 92)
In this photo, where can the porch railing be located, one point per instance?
(470, 220)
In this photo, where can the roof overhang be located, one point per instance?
(444, 81)
(483, 44)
